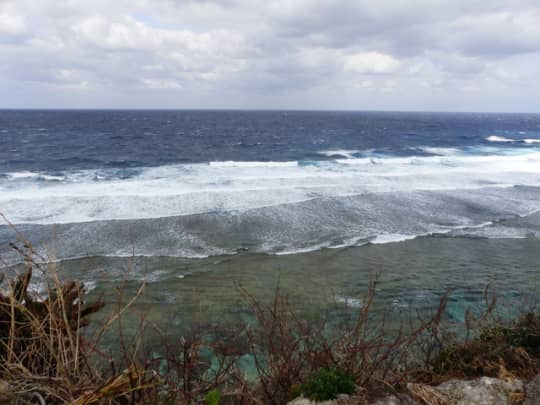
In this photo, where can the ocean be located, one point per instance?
(203, 200)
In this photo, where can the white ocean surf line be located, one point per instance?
(346, 153)
(502, 139)
(356, 241)
(387, 238)
(497, 138)
(441, 151)
(392, 238)
(227, 186)
(231, 163)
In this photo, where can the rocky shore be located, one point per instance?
(480, 391)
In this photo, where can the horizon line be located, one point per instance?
(201, 109)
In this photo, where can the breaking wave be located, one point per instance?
(526, 141)
(496, 138)
(217, 208)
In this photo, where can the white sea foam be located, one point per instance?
(34, 175)
(349, 154)
(531, 141)
(302, 250)
(49, 177)
(391, 238)
(497, 138)
(354, 241)
(177, 190)
(441, 151)
(348, 242)
(231, 163)
(349, 301)
(358, 161)
(22, 175)
(90, 285)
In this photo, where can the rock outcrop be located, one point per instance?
(532, 392)
(481, 391)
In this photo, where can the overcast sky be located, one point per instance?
(454, 55)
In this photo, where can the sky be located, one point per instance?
(435, 55)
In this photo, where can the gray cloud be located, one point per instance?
(360, 54)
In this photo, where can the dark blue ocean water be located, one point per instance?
(208, 183)
(67, 140)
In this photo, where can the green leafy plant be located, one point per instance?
(327, 384)
(212, 398)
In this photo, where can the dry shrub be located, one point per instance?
(44, 354)
(498, 349)
(40, 341)
(283, 347)
(287, 348)
(493, 346)
(191, 366)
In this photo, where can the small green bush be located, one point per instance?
(212, 398)
(327, 384)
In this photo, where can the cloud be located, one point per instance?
(11, 24)
(371, 63)
(457, 63)
(161, 84)
(497, 33)
(269, 54)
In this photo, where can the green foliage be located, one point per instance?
(212, 398)
(327, 384)
(495, 344)
(515, 337)
(525, 333)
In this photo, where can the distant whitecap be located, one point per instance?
(496, 138)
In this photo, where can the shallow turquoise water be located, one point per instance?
(412, 276)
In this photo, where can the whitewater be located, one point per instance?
(175, 190)
(194, 184)
(216, 208)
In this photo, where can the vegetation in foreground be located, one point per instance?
(48, 356)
